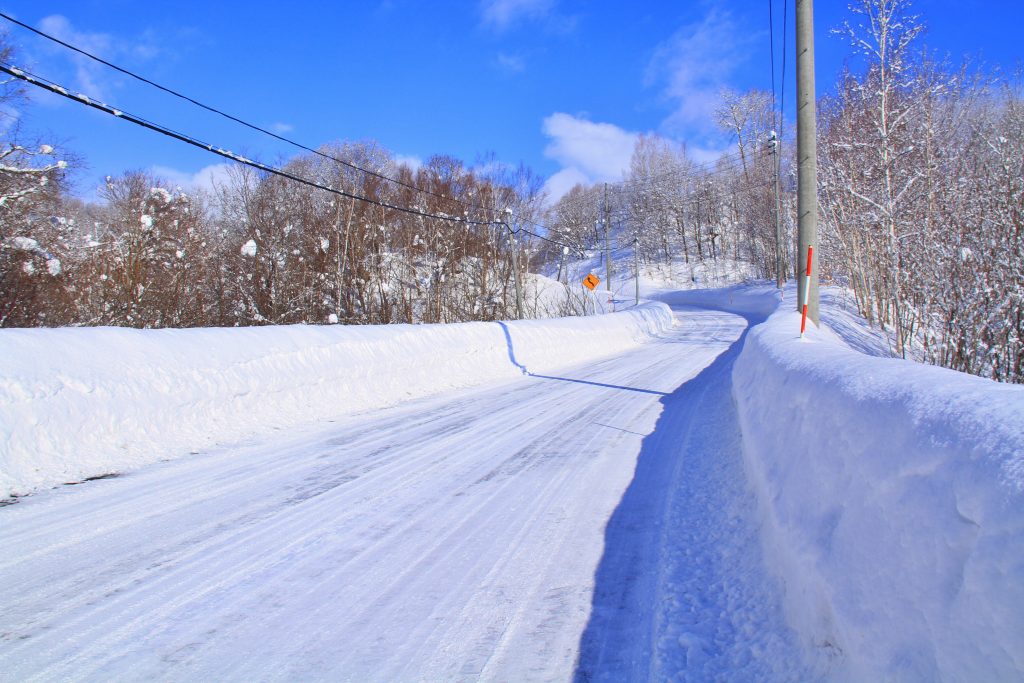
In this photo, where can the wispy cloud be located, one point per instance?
(511, 64)
(90, 77)
(560, 183)
(695, 64)
(282, 128)
(206, 178)
(588, 152)
(87, 72)
(502, 14)
(412, 161)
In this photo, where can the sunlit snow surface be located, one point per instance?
(721, 502)
(482, 535)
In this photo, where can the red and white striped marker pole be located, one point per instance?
(807, 292)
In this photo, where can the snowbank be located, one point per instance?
(893, 495)
(81, 402)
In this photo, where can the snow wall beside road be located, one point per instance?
(82, 402)
(893, 497)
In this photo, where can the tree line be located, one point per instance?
(258, 248)
(921, 194)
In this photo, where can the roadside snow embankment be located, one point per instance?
(893, 496)
(81, 402)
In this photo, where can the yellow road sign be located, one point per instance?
(591, 281)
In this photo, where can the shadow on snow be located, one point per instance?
(620, 639)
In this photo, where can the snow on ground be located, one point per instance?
(724, 503)
(560, 291)
(893, 494)
(682, 593)
(83, 402)
(587, 521)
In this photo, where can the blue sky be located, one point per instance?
(562, 86)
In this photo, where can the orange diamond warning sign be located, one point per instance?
(591, 281)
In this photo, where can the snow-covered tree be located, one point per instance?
(31, 232)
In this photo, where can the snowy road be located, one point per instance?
(593, 525)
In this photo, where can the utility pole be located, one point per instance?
(515, 266)
(607, 240)
(780, 273)
(515, 274)
(636, 266)
(807, 157)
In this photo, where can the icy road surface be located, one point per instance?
(595, 525)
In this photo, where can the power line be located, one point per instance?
(782, 93)
(182, 137)
(771, 49)
(85, 99)
(276, 136)
(240, 121)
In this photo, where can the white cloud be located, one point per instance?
(560, 183)
(206, 178)
(599, 151)
(695, 64)
(282, 128)
(501, 14)
(511, 63)
(90, 77)
(87, 72)
(413, 162)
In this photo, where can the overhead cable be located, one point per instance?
(227, 154)
(771, 51)
(230, 117)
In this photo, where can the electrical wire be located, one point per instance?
(57, 89)
(230, 117)
(185, 138)
(782, 92)
(771, 49)
(182, 137)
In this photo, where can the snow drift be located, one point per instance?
(893, 497)
(81, 402)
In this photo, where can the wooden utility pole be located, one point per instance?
(607, 240)
(780, 271)
(636, 267)
(515, 265)
(807, 157)
(515, 274)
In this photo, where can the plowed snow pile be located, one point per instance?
(893, 495)
(81, 402)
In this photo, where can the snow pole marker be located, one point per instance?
(807, 292)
